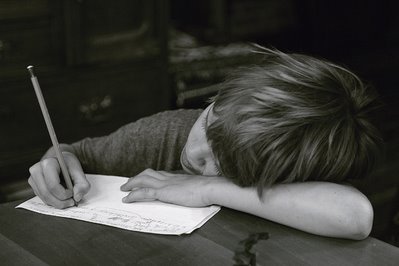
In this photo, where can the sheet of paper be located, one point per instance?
(103, 205)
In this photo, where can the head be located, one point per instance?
(197, 156)
(292, 118)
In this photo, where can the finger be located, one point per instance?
(161, 175)
(51, 172)
(141, 181)
(33, 186)
(163, 194)
(81, 184)
(47, 197)
(169, 175)
(81, 187)
(141, 194)
(37, 181)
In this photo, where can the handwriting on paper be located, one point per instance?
(103, 205)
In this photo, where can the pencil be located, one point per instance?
(50, 128)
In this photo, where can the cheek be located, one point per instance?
(196, 135)
(190, 141)
(194, 148)
(191, 149)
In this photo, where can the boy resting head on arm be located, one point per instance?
(275, 142)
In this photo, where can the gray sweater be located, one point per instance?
(151, 142)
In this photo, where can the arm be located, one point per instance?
(321, 208)
(147, 142)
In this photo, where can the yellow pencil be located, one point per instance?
(50, 129)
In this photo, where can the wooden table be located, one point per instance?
(28, 238)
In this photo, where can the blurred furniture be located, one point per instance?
(96, 64)
(210, 38)
(195, 71)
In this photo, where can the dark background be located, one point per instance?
(102, 64)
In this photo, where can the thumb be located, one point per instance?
(81, 186)
(80, 183)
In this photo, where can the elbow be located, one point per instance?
(362, 220)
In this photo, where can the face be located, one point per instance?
(197, 157)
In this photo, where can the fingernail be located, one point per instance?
(78, 197)
(71, 204)
(124, 199)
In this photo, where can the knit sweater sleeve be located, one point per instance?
(151, 142)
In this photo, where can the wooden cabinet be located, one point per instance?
(100, 66)
(29, 31)
(98, 31)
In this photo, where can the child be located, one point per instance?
(290, 119)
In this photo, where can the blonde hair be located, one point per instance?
(293, 118)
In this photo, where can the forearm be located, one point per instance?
(321, 208)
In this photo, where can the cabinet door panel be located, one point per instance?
(128, 29)
(99, 102)
(22, 9)
(32, 45)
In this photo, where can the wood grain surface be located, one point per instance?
(28, 238)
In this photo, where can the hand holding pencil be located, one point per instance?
(45, 175)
